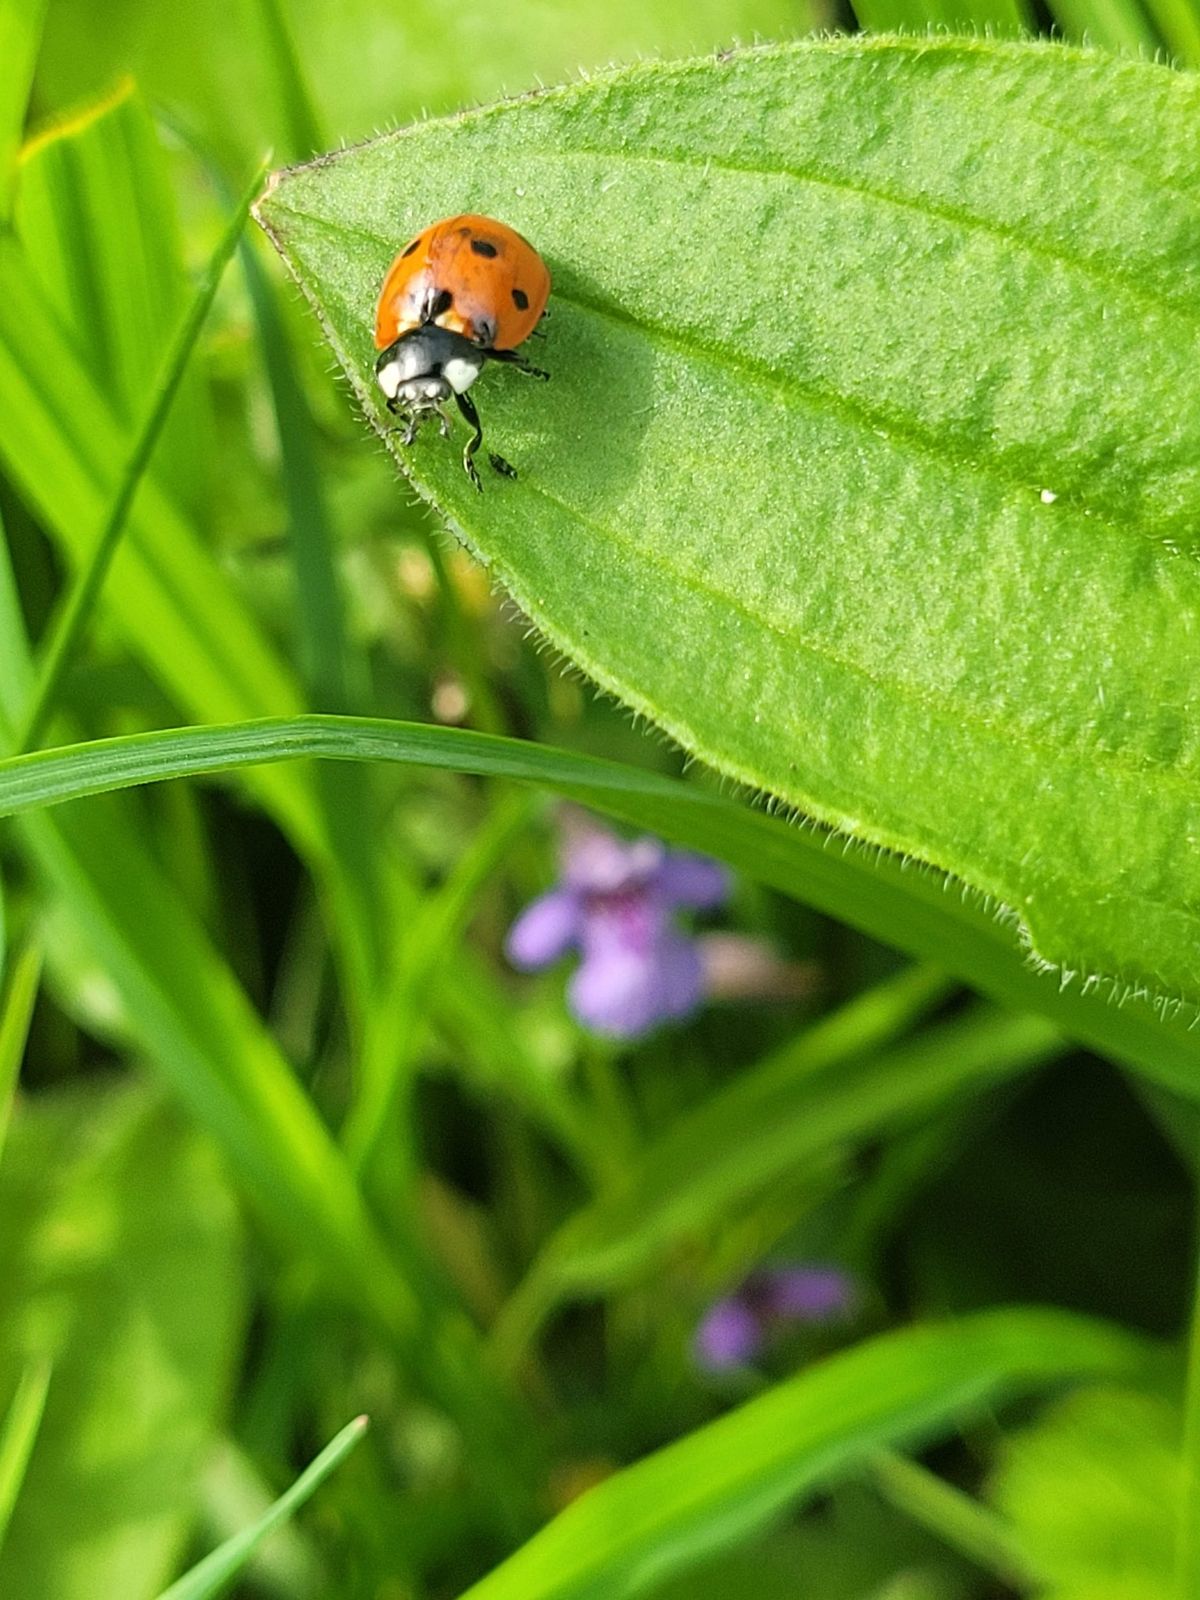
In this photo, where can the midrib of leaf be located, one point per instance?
(939, 211)
(914, 694)
(898, 429)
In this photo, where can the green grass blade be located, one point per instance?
(18, 1433)
(304, 137)
(86, 309)
(218, 1570)
(20, 35)
(325, 650)
(97, 218)
(20, 995)
(1121, 25)
(60, 445)
(899, 904)
(717, 1485)
(796, 1109)
(1178, 22)
(76, 614)
(1000, 17)
(403, 1009)
(334, 669)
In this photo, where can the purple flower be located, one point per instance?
(615, 904)
(733, 1329)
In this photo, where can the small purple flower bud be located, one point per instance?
(734, 1329)
(807, 1294)
(729, 1335)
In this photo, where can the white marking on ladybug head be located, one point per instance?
(389, 379)
(461, 372)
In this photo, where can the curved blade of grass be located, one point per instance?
(19, 998)
(85, 591)
(718, 1484)
(212, 1575)
(200, 1031)
(803, 1104)
(788, 500)
(887, 898)
(18, 1433)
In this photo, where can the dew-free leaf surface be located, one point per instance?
(870, 466)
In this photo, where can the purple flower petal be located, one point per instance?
(805, 1294)
(685, 879)
(622, 989)
(546, 929)
(728, 1335)
(596, 862)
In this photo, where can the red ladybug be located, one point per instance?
(466, 291)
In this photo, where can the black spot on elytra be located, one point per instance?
(409, 248)
(520, 299)
(437, 301)
(484, 247)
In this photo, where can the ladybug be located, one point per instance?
(465, 291)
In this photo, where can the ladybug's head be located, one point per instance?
(427, 365)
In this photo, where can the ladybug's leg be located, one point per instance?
(408, 424)
(513, 358)
(467, 406)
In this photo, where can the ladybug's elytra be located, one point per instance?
(465, 291)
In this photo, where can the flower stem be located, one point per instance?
(960, 1521)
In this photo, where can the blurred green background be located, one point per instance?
(187, 1270)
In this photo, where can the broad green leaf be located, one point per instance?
(120, 1261)
(869, 470)
(213, 1575)
(788, 1115)
(1092, 1489)
(20, 35)
(714, 1486)
(882, 896)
